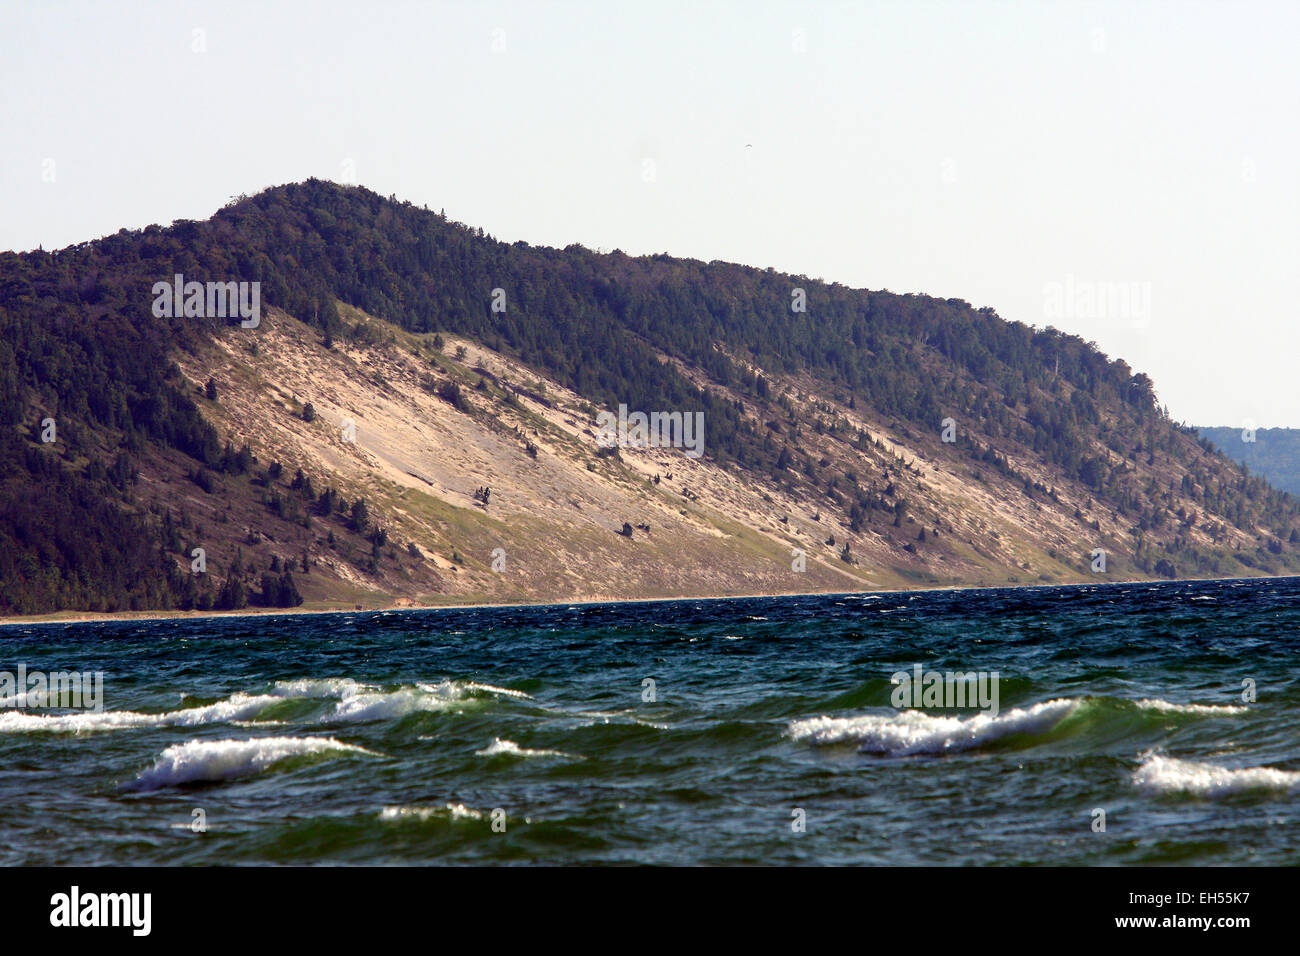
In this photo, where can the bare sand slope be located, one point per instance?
(418, 431)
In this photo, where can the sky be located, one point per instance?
(1123, 171)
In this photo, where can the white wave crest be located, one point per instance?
(501, 748)
(319, 687)
(914, 731)
(1159, 774)
(237, 707)
(201, 760)
(493, 689)
(18, 722)
(386, 705)
(1165, 706)
(356, 702)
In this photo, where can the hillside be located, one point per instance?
(1274, 454)
(337, 453)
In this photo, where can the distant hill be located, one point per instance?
(415, 419)
(1274, 454)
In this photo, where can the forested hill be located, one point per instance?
(1271, 453)
(813, 393)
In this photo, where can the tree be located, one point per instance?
(360, 516)
(233, 594)
(309, 412)
(211, 389)
(277, 591)
(451, 393)
(1092, 473)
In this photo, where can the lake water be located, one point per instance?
(770, 733)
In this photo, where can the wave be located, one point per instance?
(237, 707)
(913, 732)
(1162, 775)
(473, 686)
(211, 760)
(508, 748)
(1165, 706)
(600, 718)
(319, 687)
(17, 722)
(387, 705)
(356, 702)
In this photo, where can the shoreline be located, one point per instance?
(96, 617)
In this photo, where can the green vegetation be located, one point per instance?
(1274, 454)
(79, 344)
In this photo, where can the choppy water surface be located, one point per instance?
(392, 737)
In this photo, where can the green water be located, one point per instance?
(768, 736)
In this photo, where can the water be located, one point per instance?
(391, 737)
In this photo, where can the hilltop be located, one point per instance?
(414, 419)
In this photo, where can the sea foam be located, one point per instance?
(1160, 775)
(493, 689)
(210, 760)
(915, 732)
(386, 705)
(1165, 706)
(508, 748)
(237, 707)
(356, 702)
(319, 687)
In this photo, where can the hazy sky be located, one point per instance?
(1125, 171)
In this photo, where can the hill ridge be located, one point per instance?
(836, 418)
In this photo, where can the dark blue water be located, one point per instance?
(769, 735)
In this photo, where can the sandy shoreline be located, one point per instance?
(89, 617)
